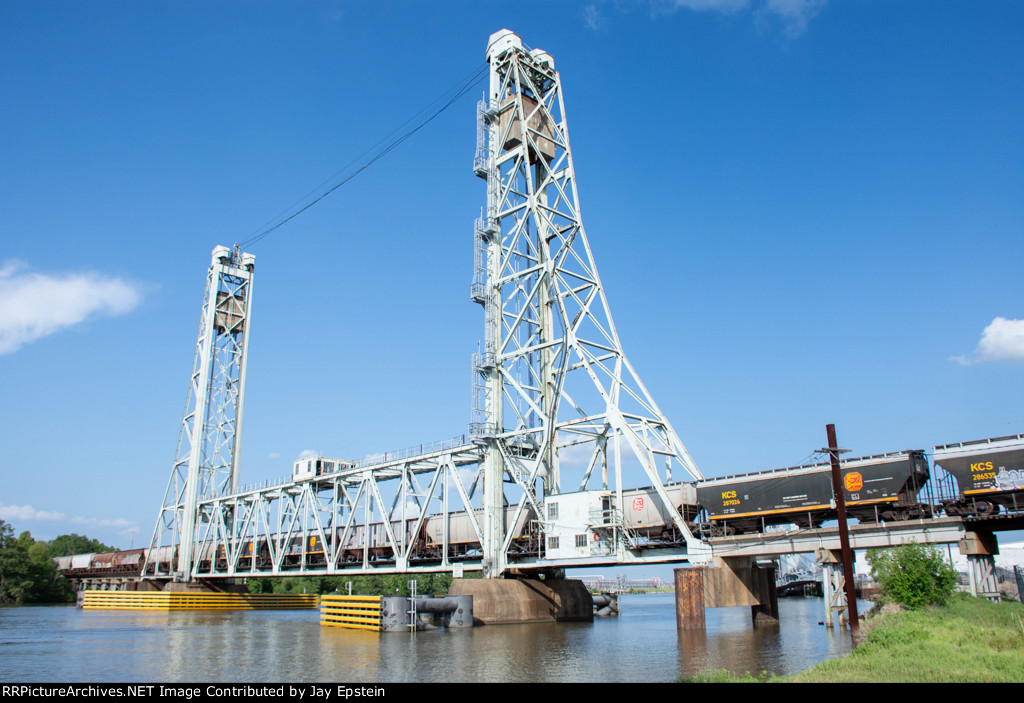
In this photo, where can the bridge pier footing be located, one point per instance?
(730, 582)
(500, 601)
(206, 586)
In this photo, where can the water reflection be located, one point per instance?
(642, 644)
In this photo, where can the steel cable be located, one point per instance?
(461, 88)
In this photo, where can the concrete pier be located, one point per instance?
(502, 601)
(981, 548)
(730, 582)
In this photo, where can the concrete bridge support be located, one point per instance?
(499, 601)
(980, 548)
(730, 582)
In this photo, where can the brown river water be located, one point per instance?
(62, 644)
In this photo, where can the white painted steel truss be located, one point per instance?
(209, 446)
(416, 512)
(554, 392)
(353, 521)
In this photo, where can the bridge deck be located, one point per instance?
(945, 530)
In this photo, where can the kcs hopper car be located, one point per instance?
(989, 475)
(880, 487)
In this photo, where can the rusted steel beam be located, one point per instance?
(690, 598)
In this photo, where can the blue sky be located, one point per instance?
(803, 212)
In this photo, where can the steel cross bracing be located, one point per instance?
(555, 401)
(209, 446)
(554, 391)
(350, 521)
(416, 512)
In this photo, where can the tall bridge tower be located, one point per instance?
(209, 446)
(556, 402)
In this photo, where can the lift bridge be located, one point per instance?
(562, 428)
(557, 411)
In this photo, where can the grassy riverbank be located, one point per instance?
(968, 640)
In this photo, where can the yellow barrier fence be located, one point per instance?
(163, 600)
(356, 612)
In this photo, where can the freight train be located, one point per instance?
(308, 551)
(875, 488)
(102, 564)
(978, 479)
(646, 520)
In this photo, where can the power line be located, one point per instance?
(460, 89)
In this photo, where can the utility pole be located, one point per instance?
(844, 534)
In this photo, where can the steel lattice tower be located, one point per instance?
(209, 446)
(554, 394)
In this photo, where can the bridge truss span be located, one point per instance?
(417, 513)
(393, 515)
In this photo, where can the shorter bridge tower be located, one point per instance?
(209, 446)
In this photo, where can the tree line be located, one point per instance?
(28, 574)
(27, 571)
(386, 585)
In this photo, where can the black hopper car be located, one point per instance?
(989, 474)
(880, 487)
(980, 478)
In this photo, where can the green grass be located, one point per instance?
(726, 676)
(968, 640)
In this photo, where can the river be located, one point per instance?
(62, 644)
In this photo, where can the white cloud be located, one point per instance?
(16, 515)
(592, 18)
(34, 305)
(97, 522)
(23, 513)
(466, 476)
(27, 512)
(577, 457)
(711, 5)
(1002, 340)
(412, 511)
(794, 15)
